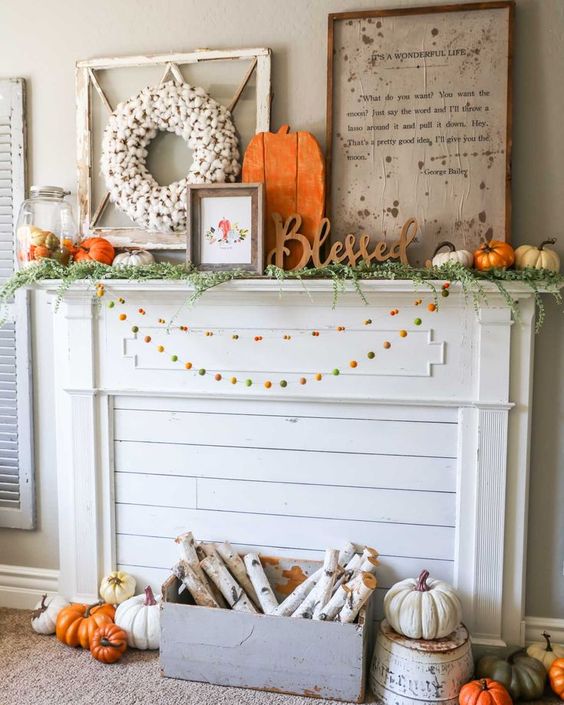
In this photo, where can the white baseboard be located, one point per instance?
(21, 587)
(534, 626)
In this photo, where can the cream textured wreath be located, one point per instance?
(188, 112)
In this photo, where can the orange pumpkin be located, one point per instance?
(77, 623)
(493, 254)
(556, 677)
(484, 691)
(108, 643)
(292, 167)
(97, 249)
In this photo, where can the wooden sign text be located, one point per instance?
(351, 251)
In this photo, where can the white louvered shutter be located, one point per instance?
(16, 427)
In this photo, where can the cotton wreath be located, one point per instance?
(192, 114)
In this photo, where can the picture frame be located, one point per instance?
(226, 227)
(239, 79)
(419, 104)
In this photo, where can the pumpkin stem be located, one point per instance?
(42, 607)
(421, 585)
(445, 243)
(104, 641)
(283, 130)
(483, 684)
(114, 580)
(550, 241)
(91, 607)
(149, 597)
(548, 644)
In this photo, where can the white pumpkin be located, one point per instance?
(463, 257)
(537, 257)
(140, 617)
(44, 616)
(133, 258)
(422, 608)
(117, 587)
(546, 652)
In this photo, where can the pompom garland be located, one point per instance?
(189, 112)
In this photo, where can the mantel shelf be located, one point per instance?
(263, 285)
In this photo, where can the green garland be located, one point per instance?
(471, 280)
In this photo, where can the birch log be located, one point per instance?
(288, 606)
(266, 596)
(337, 602)
(196, 587)
(322, 590)
(236, 597)
(237, 567)
(350, 569)
(360, 592)
(203, 550)
(346, 553)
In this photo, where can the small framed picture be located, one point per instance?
(225, 227)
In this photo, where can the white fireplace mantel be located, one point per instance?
(422, 452)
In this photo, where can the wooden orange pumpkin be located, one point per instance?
(484, 691)
(292, 167)
(97, 249)
(556, 677)
(108, 643)
(77, 623)
(493, 254)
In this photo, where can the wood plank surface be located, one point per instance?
(286, 531)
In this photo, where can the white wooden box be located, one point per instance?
(280, 654)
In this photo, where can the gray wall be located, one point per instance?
(41, 41)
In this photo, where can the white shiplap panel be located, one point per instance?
(286, 531)
(294, 433)
(150, 489)
(280, 465)
(321, 501)
(152, 552)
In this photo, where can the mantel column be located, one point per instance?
(77, 434)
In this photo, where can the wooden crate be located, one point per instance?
(280, 654)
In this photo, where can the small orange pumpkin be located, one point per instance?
(493, 254)
(484, 691)
(77, 623)
(556, 677)
(292, 167)
(97, 249)
(108, 643)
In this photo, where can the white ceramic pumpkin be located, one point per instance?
(463, 257)
(44, 616)
(546, 652)
(117, 587)
(140, 617)
(537, 257)
(133, 258)
(423, 608)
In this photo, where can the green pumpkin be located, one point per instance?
(523, 676)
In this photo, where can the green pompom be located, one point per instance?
(371, 355)
(201, 371)
(248, 382)
(283, 383)
(336, 372)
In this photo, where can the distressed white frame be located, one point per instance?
(493, 456)
(86, 83)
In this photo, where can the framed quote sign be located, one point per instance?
(419, 123)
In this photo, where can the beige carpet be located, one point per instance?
(39, 670)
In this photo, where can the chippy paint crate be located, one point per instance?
(280, 654)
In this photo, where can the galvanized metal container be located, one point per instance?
(280, 654)
(419, 672)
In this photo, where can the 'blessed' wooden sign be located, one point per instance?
(351, 251)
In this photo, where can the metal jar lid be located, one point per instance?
(48, 192)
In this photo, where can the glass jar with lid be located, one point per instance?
(46, 228)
